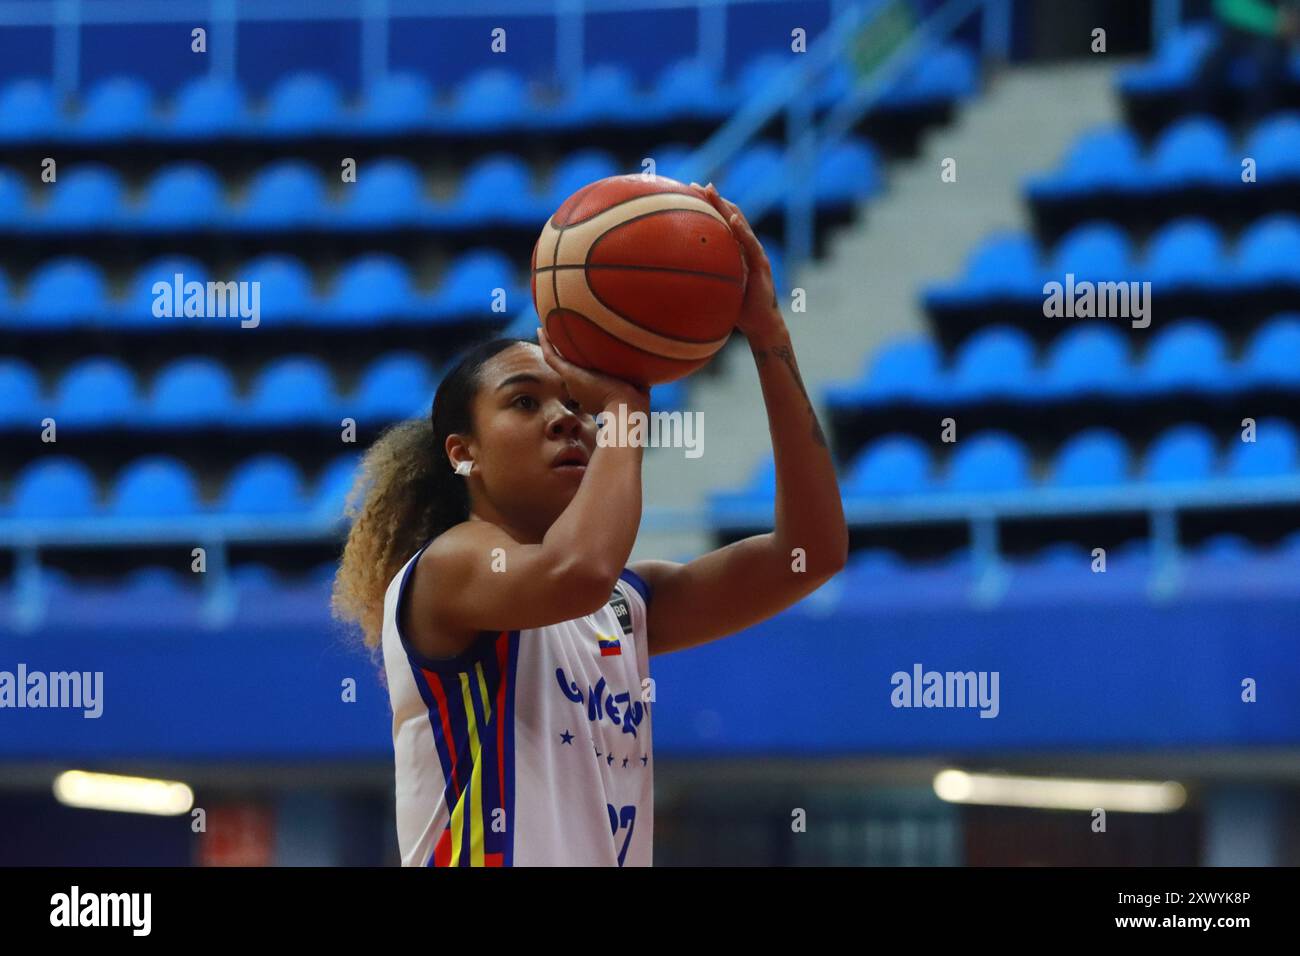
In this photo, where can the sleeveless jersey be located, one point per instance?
(531, 748)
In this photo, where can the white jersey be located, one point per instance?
(533, 747)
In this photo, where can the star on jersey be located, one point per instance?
(643, 760)
(567, 738)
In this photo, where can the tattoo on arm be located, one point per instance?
(786, 355)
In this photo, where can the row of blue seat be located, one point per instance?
(388, 193)
(1195, 151)
(370, 289)
(995, 461)
(197, 391)
(161, 486)
(1000, 361)
(1178, 60)
(201, 391)
(1187, 253)
(491, 99)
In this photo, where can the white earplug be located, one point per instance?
(464, 467)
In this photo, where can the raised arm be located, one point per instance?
(751, 580)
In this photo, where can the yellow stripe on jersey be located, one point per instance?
(476, 775)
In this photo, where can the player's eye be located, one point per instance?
(525, 398)
(574, 404)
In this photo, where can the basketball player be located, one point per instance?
(489, 560)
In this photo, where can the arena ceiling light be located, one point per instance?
(106, 791)
(1059, 793)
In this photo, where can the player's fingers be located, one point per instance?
(748, 241)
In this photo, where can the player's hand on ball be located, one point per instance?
(759, 311)
(594, 391)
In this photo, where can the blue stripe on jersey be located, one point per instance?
(638, 582)
(512, 663)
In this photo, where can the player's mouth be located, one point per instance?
(571, 461)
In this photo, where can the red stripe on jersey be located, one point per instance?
(435, 686)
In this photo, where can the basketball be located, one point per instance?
(639, 278)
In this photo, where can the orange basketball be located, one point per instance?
(639, 278)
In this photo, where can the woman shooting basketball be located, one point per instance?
(489, 561)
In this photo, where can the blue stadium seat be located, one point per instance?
(115, 108)
(137, 309)
(1275, 146)
(183, 195)
(1269, 251)
(490, 99)
(996, 361)
(1190, 353)
(1187, 253)
(286, 288)
(1176, 62)
(13, 196)
(605, 93)
(29, 110)
(387, 193)
(756, 75)
(20, 393)
(1184, 452)
(155, 486)
(1003, 264)
(942, 75)
(687, 89)
(1274, 452)
(1107, 158)
(1093, 251)
(1273, 354)
(759, 491)
(97, 391)
(265, 484)
(54, 487)
(891, 465)
(758, 170)
(295, 390)
(369, 290)
(467, 288)
(193, 391)
(1226, 547)
(1195, 151)
(989, 461)
(837, 83)
(85, 196)
(285, 194)
(254, 579)
(1097, 456)
(847, 173)
(498, 187)
(577, 170)
(396, 385)
(63, 291)
(903, 368)
(302, 103)
(333, 485)
(397, 102)
(208, 106)
(1092, 357)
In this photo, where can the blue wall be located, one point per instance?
(1122, 675)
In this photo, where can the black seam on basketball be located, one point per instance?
(656, 355)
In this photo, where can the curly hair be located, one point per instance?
(405, 494)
